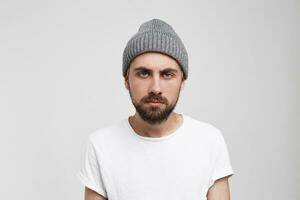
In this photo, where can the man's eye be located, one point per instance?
(168, 75)
(143, 74)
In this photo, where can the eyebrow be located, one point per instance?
(164, 70)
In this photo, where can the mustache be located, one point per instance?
(155, 98)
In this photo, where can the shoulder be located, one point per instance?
(107, 133)
(203, 128)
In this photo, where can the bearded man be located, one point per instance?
(156, 154)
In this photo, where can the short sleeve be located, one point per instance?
(90, 173)
(222, 164)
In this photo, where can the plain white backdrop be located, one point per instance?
(60, 79)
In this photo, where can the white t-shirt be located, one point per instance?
(119, 164)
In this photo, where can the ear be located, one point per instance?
(126, 82)
(182, 84)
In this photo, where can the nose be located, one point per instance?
(155, 85)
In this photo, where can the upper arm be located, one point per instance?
(92, 195)
(219, 190)
(92, 174)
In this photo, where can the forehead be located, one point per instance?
(154, 61)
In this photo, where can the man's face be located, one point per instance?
(154, 81)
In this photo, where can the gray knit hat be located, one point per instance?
(156, 36)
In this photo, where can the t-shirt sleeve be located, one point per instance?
(222, 164)
(90, 173)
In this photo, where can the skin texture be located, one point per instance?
(92, 195)
(156, 76)
(219, 190)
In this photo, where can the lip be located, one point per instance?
(154, 103)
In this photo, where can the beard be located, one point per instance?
(154, 114)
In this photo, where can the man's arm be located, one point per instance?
(92, 195)
(219, 190)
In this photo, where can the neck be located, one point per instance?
(155, 130)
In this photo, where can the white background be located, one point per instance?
(60, 79)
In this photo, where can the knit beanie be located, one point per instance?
(156, 36)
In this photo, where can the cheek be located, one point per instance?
(173, 92)
(137, 89)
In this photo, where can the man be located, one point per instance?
(156, 154)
